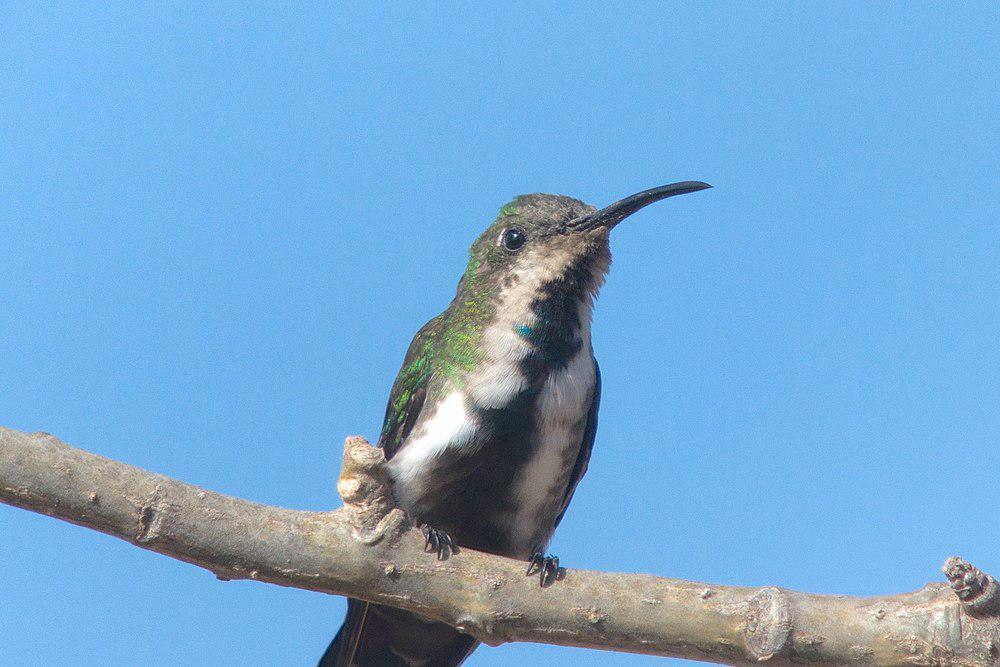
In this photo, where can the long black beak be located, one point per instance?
(609, 216)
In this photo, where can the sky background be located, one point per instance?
(222, 225)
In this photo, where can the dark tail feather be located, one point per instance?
(341, 649)
(373, 635)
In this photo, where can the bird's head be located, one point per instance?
(550, 243)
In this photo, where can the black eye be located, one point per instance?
(513, 239)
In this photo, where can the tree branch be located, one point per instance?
(367, 550)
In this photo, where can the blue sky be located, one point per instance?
(222, 225)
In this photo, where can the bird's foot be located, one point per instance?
(546, 567)
(438, 542)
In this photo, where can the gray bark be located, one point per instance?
(367, 549)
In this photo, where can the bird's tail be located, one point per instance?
(376, 635)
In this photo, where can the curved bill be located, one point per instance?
(609, 216)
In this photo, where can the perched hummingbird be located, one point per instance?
(492, 417)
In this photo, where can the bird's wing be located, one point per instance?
(409, 390)
(586, 444)
(377, 635)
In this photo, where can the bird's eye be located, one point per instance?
(513, 238)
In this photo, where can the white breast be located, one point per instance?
(560, 419)
(451, 425)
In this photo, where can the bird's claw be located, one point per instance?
(438, 541)
(547, 568)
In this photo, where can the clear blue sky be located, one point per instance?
(221, 227)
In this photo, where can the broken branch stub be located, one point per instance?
(364, 487)
(978, 591)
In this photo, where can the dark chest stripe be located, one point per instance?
(470, 487)
(556, 333)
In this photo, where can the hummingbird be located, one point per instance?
(491, 420)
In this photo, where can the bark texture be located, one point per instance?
(367, 549)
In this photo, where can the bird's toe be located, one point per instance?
(545, 566)
(439, 542)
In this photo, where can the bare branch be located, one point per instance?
(367, 550)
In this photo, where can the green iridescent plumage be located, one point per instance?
(448, 345)
(410, 388)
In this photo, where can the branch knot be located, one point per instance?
(768, 624)
(977, 590)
